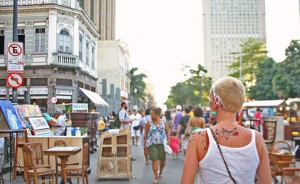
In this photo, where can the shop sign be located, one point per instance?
(79, 106)
(63, 92)
(39, 91)
(3, 91)
(21, 90)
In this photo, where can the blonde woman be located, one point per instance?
(227, 152)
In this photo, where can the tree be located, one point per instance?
(263, 89)
(253, 52)
(137, 82)
(290, 68)
(188, 92)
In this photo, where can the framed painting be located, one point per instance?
(20, 115)
(10, 115)
(29, 110)
(38, 123)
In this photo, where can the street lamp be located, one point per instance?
(135, 91)
(201, 73)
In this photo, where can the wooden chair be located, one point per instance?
(280, 161)
(78, 171)
(33, 171)
(20, 140)
(60, 143)
(270, 132)
(37, 156)
(291, 175)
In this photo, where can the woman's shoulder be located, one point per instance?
(199, 142)
(198, 136)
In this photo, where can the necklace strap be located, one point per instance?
(229, 173)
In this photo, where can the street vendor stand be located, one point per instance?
(114, 159)
(81, 119)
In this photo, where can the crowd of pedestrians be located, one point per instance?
(209, 137)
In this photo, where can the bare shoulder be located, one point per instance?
(199, 140)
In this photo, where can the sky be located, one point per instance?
(165, 35)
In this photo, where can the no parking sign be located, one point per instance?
(15, 62)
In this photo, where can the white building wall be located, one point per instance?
(226, 26)
(112, 64)
(52, 35)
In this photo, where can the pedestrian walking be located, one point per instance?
(181, 129)
(135, 127)
(143, 122)
(156, 133)
(123, 116)
(174, 144)
(226, 152)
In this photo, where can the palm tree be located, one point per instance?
(137, 82)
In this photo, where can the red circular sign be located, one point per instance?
(15, 49)
(14, 80)
(53, 100)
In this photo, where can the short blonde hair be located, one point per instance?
(231, 93)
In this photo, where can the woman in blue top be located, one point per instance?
(156, 132)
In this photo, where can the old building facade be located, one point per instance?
(60, 51)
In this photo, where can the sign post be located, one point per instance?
(15, 39)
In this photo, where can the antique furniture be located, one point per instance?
(32, 170)
(60, 143)
(278, 160)
(63, 153)
(291, 175)
(78, 171)
(115, 155)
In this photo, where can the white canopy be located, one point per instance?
(95, 97)
(265, 103)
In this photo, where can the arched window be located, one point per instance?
(65, 41)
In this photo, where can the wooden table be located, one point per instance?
(11, 132)
(63, 153)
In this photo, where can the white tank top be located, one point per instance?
(242, 163)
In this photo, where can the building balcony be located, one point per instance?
(65, 59)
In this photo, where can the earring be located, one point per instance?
(214, 113)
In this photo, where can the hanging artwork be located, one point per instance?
(29, 110)
(10, 115)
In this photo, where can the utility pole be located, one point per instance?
(15, 39)
(241, 65)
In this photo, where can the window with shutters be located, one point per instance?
(64, 41)
(40, 40)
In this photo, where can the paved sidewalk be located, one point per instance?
(141, 173)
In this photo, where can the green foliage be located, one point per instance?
(263, 89)
(137, 82)
(188, 92)
(291, 67)
(253, 52)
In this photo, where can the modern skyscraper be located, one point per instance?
(103, 14)
(227, 24)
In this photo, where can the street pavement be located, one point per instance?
(142, 173)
